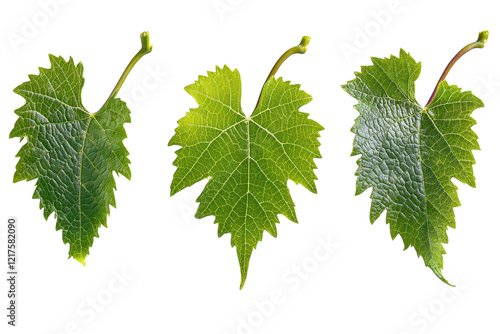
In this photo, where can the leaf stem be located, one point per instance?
(301, 48)
(145, 49)
(481, 41)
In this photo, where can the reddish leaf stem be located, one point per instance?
(481, 41)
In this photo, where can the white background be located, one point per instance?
(181, 278)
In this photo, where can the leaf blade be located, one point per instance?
(247, 186)
(406, 156)
(70, 152)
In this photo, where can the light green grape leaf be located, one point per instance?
(248, 159)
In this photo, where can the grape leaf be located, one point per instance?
(248, 159)
(70, 151)
(409, 153)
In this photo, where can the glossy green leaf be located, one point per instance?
(70, 152)
(408, 154)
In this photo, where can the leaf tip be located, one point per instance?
(437, 271)
(243, 279)
(80, 258)
(174, 188)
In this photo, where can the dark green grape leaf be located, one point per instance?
(70, 152)
(408, 153)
